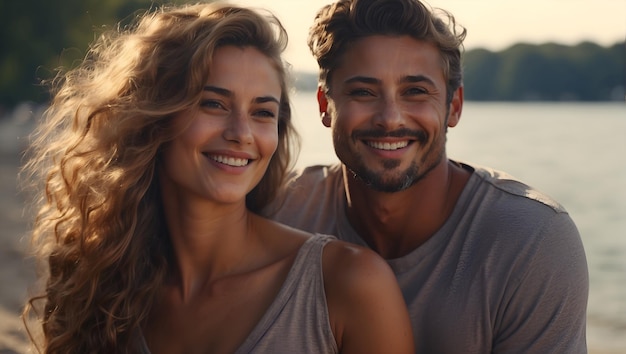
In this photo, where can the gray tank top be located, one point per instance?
(297, 321)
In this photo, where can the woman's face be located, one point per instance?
(228, 141)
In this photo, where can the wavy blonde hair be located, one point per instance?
(99, 221)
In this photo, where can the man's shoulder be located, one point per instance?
(511, 216)
(310, 200)
(514, 212)
(314, 175)
(515, 188)
(316, 171)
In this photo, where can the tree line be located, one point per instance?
(547, 72)
(537, 72)
(39, 36)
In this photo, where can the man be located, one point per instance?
(486, 263)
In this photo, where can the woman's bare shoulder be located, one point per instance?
(354, 267)
(366, 308)
(280, 237)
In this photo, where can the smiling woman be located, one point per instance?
(227, 141)
(152, 160)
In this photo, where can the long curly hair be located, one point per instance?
(99, 226)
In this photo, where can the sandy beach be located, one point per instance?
(16, 272)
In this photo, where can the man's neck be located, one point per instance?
(394, 224)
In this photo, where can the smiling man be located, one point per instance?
(486, 263)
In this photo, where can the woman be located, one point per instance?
(156, 153)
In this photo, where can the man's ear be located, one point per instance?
(322, 102)
(456, 107)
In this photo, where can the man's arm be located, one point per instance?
(546, 311)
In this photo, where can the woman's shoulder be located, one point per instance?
(354, 267)
(342, 261)
(365, 305)
(279, 236)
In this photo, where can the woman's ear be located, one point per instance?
(322, 102)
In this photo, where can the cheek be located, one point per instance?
(340, 134)
(427, 115)
(274, 144)
(176, 152)
(351, 115)
(269, 139)
(173, 160)
(200, 130)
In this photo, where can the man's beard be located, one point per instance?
(400, 181)
(388, 181)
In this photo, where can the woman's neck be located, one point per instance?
(209, 242)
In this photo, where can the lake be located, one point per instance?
(573, 152)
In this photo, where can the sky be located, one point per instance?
(490, 24)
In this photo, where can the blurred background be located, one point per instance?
(515, 51)
(544, 85)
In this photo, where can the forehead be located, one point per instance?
(244, 68)
(389, 58)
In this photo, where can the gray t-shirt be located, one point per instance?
(506, 273)
(297, 320)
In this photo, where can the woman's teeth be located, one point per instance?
(231, 161)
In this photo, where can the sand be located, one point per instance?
(16, 271)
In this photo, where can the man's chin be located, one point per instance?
(384, 182)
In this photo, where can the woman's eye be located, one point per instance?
(265, 113)
(211, 104)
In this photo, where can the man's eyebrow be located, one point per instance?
(362, 79)
(417, 78)
(405, 79)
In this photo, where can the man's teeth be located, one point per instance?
(388, 146)
(231, 161)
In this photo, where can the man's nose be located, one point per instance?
(389, 116)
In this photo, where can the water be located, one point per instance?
(573, 152)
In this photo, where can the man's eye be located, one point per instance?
(415, 91)
(359, 92)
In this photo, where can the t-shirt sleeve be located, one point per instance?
(546, 305)
(309, 200)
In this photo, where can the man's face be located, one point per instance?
(387, 110)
